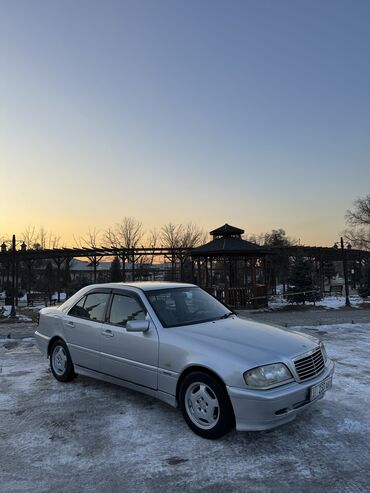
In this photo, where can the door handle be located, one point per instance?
(107, 333)
(70, 324)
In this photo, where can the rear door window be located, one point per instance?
(77, 310)
(92, 307)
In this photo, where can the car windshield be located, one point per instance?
(185, 306)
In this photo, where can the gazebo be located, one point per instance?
(232, 269)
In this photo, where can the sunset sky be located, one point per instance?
(255, 113)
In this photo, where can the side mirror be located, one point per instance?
(137, 325)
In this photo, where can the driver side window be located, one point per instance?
(125, 308)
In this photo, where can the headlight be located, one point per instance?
(267, 376)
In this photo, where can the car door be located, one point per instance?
(131, 356)
(83, 328)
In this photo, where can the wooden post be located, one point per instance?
(16, 281)
(226, 282)
(95, 266)
(58, 262)
(133, 267)
(321, 274)
(199, 281)
(192, 271)
(123, 258)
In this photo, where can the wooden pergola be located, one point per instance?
(232, 269)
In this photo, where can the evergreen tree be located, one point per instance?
(278, 263)
(364, 289)
(329, 270)
(115, 270)
(66, 279)
(49, 279)
(301, 281)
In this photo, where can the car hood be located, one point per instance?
(251, 341)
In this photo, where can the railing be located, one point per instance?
(241, 297)
(258, 297)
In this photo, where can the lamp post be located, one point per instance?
(14, 270)
(345, 268)
(12, 311)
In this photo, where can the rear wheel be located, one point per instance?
(60, 362)
(205, 405)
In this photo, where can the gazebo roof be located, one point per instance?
(226, 230)
(227, 242)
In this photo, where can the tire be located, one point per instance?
(205, 405)
(60, 362)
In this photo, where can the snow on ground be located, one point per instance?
(335, 329)
(329, 302)
(92, 436)
(54, 296)
(5, 312)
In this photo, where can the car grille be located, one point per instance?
(311, 365)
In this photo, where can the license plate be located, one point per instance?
(320, 388)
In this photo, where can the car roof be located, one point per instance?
(144, 285)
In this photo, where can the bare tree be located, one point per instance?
(182, 236)
(153, 238)
(152, 241)
(358, 220)
(92, 239)
(53, 241)
(126, 234)
(41, 239)
(193, 236)
(30, 236)
(171, 235)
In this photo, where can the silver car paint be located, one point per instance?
(153, 361)
(130, 356)
(83, 338)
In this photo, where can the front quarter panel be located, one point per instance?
(177, 353)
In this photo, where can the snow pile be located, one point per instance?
(5, 310)
(63, 296)
(5, 313)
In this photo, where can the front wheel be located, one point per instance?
(60, 362)
(205, 405)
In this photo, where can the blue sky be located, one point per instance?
(255, 113)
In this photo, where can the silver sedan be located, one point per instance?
(178, 343)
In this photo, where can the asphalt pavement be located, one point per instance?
(92, 436)
(309, 317)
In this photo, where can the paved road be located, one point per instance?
(309, 317)
(91, 436)
(18, 330)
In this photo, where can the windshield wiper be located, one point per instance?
(227, 315)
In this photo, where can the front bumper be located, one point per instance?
(265, 409)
